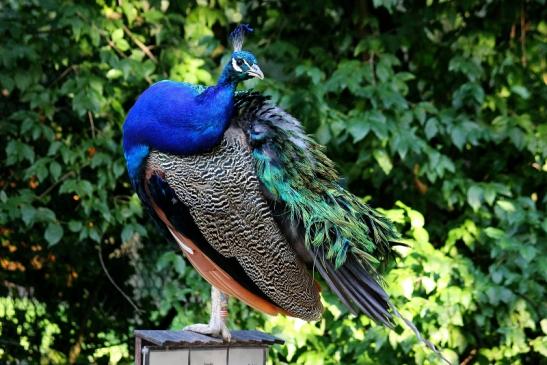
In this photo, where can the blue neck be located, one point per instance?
(173, 117)
(227, 78)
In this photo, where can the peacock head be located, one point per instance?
(243, 64)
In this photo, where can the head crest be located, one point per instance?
(238, 36)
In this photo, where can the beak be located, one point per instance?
(255, 71)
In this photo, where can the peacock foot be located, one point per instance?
(217, 324)
(215, 330)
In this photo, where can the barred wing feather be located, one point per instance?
(212, 205)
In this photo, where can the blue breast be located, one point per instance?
(177, 118)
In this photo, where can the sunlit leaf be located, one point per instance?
(475, 196)
(383, 160)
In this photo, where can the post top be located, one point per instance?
(192, 339)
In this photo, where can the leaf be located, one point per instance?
(383, 160)
(377, 123)
(85, 188)
(489, 195)
(420, 114)
(27, 214)
(358, 129)
(53, 148)
(474, 197)
(315, 74)
(22, 80)
(75, 226)
(55, 170)
(113, 74)
(506, 205)
(420, 235)
(53, 234)
(118, 168)
(431, 128)
(127, 233)
(323, 134)
(130, 11)
(348, 75)
(69, 186)
(520, 91)
(497, 277)
(41, 170)
(458, 136)
(494, 233)
(528, 252)
(383, 71)
(416, 218)
(407, 286)
(45, 215)
(18, 151)
(429, 284)
(117, 34)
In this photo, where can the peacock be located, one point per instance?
(253, 201)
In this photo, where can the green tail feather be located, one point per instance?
(298, 173)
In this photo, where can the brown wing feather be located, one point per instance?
(223, 196)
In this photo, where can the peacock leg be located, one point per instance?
(219, 313)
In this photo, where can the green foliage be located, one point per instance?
(435, 109)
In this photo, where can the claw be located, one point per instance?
(226, 335)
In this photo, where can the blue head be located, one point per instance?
(242, 65)
(181, 119)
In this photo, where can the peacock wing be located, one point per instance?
(330, 228)
(213, 206)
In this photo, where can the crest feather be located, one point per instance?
(237, 37)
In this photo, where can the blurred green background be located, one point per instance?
(433, 110)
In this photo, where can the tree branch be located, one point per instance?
(51, 187)
(100, 252)
(141, 45)
(91, 123)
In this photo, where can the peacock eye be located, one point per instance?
(239, 62)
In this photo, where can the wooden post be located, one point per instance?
(156, 347)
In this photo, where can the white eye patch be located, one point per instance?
(236, 66)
